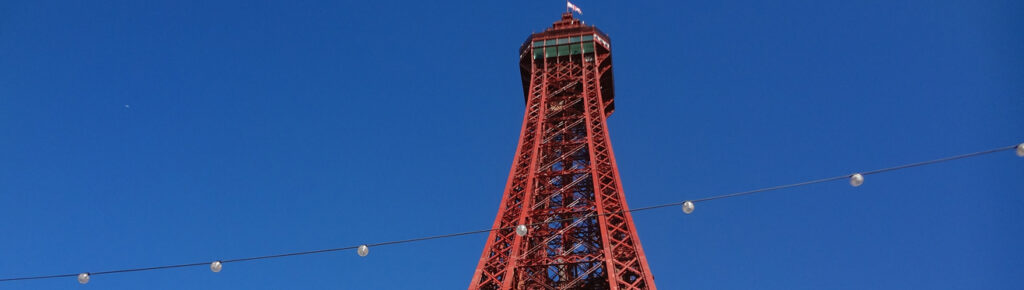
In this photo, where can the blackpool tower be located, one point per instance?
(563, 222)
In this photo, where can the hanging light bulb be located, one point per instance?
(363, 250)
(1020, 150)
(856, 179)
(83, 278)
(688, 207)
(216, 266)
(521, 230)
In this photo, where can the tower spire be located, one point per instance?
(563, 222)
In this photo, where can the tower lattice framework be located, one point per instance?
(564, 183)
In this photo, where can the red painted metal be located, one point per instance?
(564, 180)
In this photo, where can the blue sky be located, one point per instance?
(137, 133)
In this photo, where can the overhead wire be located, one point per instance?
(1019, 147)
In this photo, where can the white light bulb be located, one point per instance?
(83, 278)
(363, 250)
(688, 207)
(856, 180)
(216, 266)
(1020, 150)
(521, 230)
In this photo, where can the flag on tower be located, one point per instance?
(572, 7)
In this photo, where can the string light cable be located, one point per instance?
(688, 206)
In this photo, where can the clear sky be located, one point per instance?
(136, 133)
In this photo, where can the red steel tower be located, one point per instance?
(564, 184)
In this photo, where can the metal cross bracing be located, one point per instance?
(564, 182)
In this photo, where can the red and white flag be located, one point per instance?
(569, 6)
